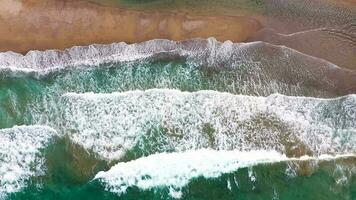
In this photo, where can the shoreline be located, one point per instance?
(27, 25)
(339, 80)
(51, 24)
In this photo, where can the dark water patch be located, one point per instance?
(89, 191)
(68, 172)
(69, 164)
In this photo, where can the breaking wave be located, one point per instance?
(100, 101)
(21, 155)
(275, 62)
(176, 170)
(170, 120)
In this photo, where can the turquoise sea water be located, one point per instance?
(153, 109)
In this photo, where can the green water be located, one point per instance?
(69, 168)
(27, 99)
(271, 182)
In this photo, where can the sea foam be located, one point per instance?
(209, 51)
(176, 170)
(170, 120)
(21, 155)
(259, 60)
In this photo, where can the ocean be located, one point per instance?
(196, 119)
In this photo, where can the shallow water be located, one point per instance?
(295, 15)
(192, 120)
(328, 179)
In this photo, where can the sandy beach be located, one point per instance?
(58, 24)
(48, 24)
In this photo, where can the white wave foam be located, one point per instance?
(210, 51)
(111, 124)
(263, 63)
(20, 155)
(175, 170)
(49, 60)
(43, 61)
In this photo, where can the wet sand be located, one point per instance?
(316, 27)
(48, 24)
(335, 45)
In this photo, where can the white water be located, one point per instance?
(257, 64)
(175, 170)
(208, 51)
(20, 155)
(111, 124)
